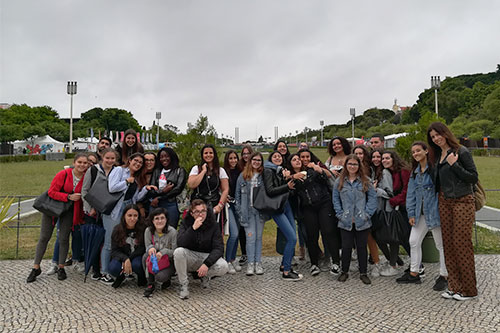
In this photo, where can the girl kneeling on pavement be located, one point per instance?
(355, 201)
(127, 247)
(423, 214)
(160, 240)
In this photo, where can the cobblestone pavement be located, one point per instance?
(237, 303)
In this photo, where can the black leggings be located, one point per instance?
(349, 238)
(321, 218)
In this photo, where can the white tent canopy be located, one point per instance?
(38, 145)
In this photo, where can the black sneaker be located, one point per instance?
(408, 278)
(107, 279)
(421, 271)
(96, 276)
(166, 284)
(149, 290)
(61, 274)
(365, 279)
(243, 260)
(118, 281)
(68, 262)
(33, 274)
(441, 284)
(343, 277)
(291, 276)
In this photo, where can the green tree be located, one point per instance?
(416, 133)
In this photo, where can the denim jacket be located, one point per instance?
(352, 205)
(117, 182)
(243, 204)
(421, 189)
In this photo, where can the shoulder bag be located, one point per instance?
(99, 197)
(51, 207)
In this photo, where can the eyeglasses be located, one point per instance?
(353, 164)
(256, 160)
(199, 212)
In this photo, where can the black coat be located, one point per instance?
(206, 239)
(313, 190)
(124, 252)
(274, 183)
(457, 180)
(177, 177)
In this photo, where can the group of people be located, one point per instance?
(340, 199)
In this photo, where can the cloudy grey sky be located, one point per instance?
(251, 64)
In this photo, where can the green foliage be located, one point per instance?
(415, 133)
(110, 119)
(4, 210)
(21, 158)
(188, 145)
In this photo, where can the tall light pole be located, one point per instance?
(305, 132)
(353, 114)
(436, 84)
(321, 123)
(71, 92)
(297, 137)
(158, 117)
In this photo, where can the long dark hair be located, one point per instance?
(445, 132)
(174, 158)
(346, 147)
(152, 215)
(287, 154)
(378, 170)
(119, 234)
(139, 175)
(215, 162)
(398, 164)
(292, 170)
(227, 167)
(126, 150)
(366, 157)
(415, 164)
(314, 158)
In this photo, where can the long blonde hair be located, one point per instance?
(361, 173)
(248, 170)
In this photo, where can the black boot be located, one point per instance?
(151, 286)
(33, 274)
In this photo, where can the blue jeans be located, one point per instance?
(253, 233)
(76, 245)
(172, 211)
(109, 224)
(232, 241)
(286, 223)
(115, 267)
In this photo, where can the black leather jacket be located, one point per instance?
(274, 183)
(177, 177)
(313, 190)
(457, 180)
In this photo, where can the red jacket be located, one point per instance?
(400, 188)
(59, 191)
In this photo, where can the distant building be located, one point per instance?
(5, 106)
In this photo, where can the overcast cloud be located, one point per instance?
(251, 64)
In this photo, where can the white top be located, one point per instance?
(222, 172)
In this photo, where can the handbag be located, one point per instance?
(51, 207)
(99, 197)
(394, 227)
(163, 263)
(479, 196)
(267, 204)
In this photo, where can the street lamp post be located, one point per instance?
(305, 132)
(71, 92)
(297, 137)
(436, 84)
(158, 117)
(353, 114)
(321, 123)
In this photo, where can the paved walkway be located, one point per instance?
(237, 303)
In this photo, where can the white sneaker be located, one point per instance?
(389, 271)
(236, 266)
(79, 267)
(250, 268)
(259, 270)
(375, 270)
(52, 270)
(231, 269)
(460, 297)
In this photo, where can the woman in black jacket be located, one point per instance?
(170, 179)
(316, 206)
(276, 183)
(454, 178)
(127, 247)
